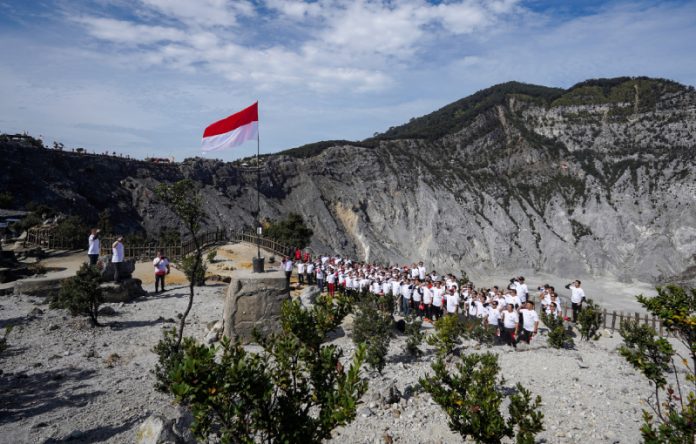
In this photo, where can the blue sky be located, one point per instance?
(144, 77)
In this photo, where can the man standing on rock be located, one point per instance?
(161, 264)
(93, 249)
(117, 256)
(577, 295)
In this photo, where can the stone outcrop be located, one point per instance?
(253, 302)
(126, 270)
(124, 291)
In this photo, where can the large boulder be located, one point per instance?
(158, 429)
(127, 269)
(253, 302)
(309, 295)
(124, 291)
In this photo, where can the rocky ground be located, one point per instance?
(64, 381)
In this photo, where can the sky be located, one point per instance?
(145, 77)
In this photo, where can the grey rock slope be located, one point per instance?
(599, 179)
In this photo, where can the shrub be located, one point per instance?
(558, 335)
(672, 419)
(473, 328)
(291, 231)
(472, 397)
(414, 336)
(373, 327)
(6, 199)
(294, 391)
(81, 293)
(188, 264)
(448, 331)
(169, 356)
(211, 256)
(589, 320)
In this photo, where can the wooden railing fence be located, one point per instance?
(45, 237)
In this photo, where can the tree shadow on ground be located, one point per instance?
(124, 325)
(28, 395)
(19, 320)
(97, 434)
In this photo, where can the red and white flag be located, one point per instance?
(233, 130)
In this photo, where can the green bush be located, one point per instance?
(291, 231)
(187, 264)
(558, 335)
(472, 397)
(211, 256)
(296, 390)
(73, 229)
(589, 320)
(414, 336)
(373, 327)
(170, 356)
(473, 328)
(673, 411)
(447, 336)
(81, 293)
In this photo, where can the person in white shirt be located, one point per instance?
(553, 310)
(301, 268)
(93, 249)
(522, 290)
(320, 278)
(438, 300)
(417, 297)
(577, 296)
(427, 301)
(421, 271)
(492, 319)
(161, 264)
(117, 256)
(310, 273)
(510, 319)
(452, 301)
(530, 322)
(406, 293)
(331, 282)
(287, 267)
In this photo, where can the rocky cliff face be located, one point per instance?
(598, 179)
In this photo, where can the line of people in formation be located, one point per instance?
(508, 312)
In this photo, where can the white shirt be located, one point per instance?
(421, 272)
(330, 278)
(117, 252)
(452, 302)
(417, 294)
(529, 318)
(493, 316)
(427, 296)
(301, 268)
(576, 294)
(160, 265)
(310, 268)
(438, 296)
(510, 318)
(93, 245)
(522, 292)
(288, 265)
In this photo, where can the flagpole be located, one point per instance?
(258, 193)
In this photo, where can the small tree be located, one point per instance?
(296, 390)
(291, 231)
(472, 398)
(558, 335)
(373, 327)
(673, 416)
(589, 320)
(81, 293)
(193, 270)
(185, 201)
(3, 340)
(448, 332)
(414, 336)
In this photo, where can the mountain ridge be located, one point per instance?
(598, 179)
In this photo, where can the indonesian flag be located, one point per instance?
(233, 130)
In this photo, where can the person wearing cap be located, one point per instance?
(93, 246)
(117, 256)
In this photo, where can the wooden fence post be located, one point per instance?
(604, 315)
(613, 320)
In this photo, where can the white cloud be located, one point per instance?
(124, 32)
(203, 12)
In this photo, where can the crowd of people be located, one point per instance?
(510, 311)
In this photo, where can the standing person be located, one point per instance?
(320, 279)
(161, 264)
(510, 324)
(530, 322)
(577, 295)
(287, 267)
(310, 273)
(94, 244)
(117, 256)
(522, 289)
(331, 282)
(452, 301)
(301, 272)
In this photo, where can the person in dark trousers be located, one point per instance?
(117, 257)
(161, 264)
(577, 296)
(510, 320)
(93, 249)
(287, 267)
